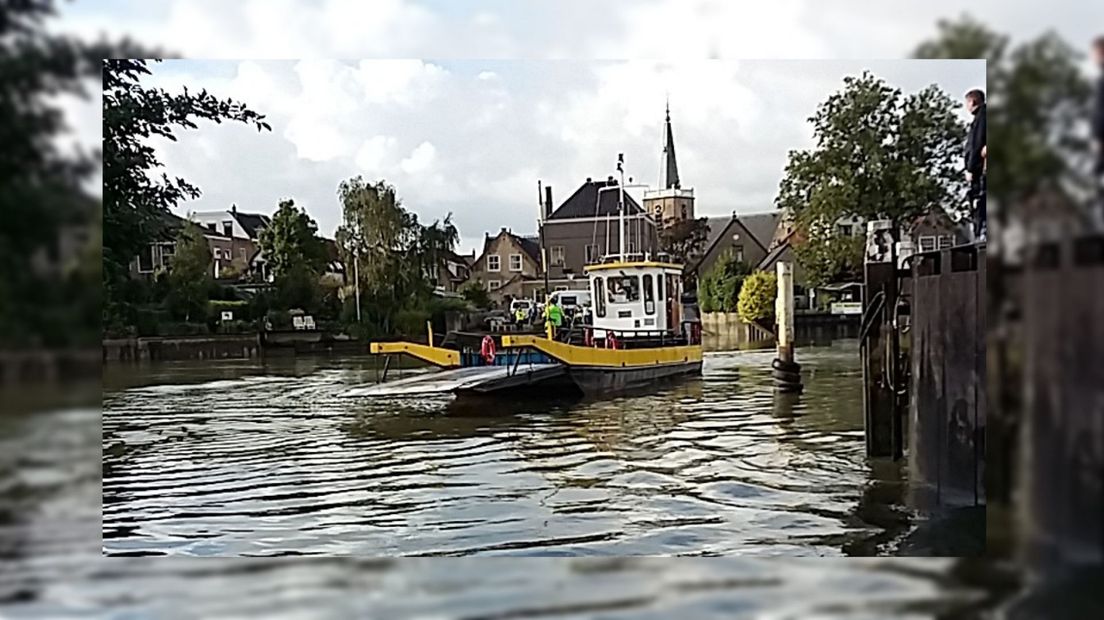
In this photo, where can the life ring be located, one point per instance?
(488, 350)
(588, 337)
(611, 340)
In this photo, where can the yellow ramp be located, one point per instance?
(445, 358)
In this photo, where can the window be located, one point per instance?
(738, 252)
(659, 287)
(684, 212)
(632, 247)
(557, 252)
(515, 262)
(167, 252)
(649, 295)
(945, 241)
(228, 229)
(599, 297)
(241, 253)
(494, 262)
(211, 226)
(845, 230)
(217, 253)
(591, 253)
(927, 243)
(145, 260)
(493, 285)
(624, 289)
(559, 288)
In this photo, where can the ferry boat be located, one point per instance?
(638, 335)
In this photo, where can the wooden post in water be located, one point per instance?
(784, 309)
(787, 372)
(878, 342)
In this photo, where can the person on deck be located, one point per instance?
(553, 314)
(975, 161)
(520, 316)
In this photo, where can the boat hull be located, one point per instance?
(602, 380)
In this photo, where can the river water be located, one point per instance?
(275, 461)
(246, 459)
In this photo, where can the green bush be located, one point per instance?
(411, 322)
(279, 319)
(719, 289)
(236, 327)
(757, 298)
(241, 309)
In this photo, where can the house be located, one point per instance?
(937, 231)
(584, 228)
(158, 254)
(454, 272)
(748, 237)
(509, 266)
(242, 229)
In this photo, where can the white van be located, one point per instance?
(525, 304)
(570, 300)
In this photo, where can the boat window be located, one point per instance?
(649, 295)
(599, 297)
(624, 289)
(659, 288)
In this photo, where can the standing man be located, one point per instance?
(975, 161)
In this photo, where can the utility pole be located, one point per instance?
(356, 278)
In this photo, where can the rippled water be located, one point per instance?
(275, 462)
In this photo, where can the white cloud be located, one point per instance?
(372, 157)
(420, 159)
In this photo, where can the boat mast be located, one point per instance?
(621, 208)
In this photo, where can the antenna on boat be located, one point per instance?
(621, 208)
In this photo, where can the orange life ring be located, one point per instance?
(611, 340)
(488, 350)
(588, 337)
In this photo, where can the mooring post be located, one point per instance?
(787, 372)
(877, 341)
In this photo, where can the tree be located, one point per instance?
(46, 301)
(757, 299)
(190, 275)
(133, 193)
(291, 240)
(684, 240)
(478, 296)
(878, 155)
(719, 289)
(436, 243)
(389, 247)
(837, 258)
(1039, 96)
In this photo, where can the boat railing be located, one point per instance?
(589, 334)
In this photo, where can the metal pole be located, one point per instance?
(356, 282)
(621, 208)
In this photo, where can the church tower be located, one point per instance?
(670, 203)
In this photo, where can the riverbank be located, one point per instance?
(230, 346)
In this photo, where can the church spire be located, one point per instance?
(670, 166)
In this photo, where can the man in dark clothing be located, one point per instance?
(1098, 108)
(975, 160)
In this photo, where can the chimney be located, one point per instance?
(503, 230)
(547, 201)
(609, 180)
(589, 180)
(234, 209)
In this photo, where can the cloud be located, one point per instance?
(420, 160)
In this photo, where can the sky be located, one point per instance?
(463, 106)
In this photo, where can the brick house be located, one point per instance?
(509, 266)
(243, 230)
(584, 228)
